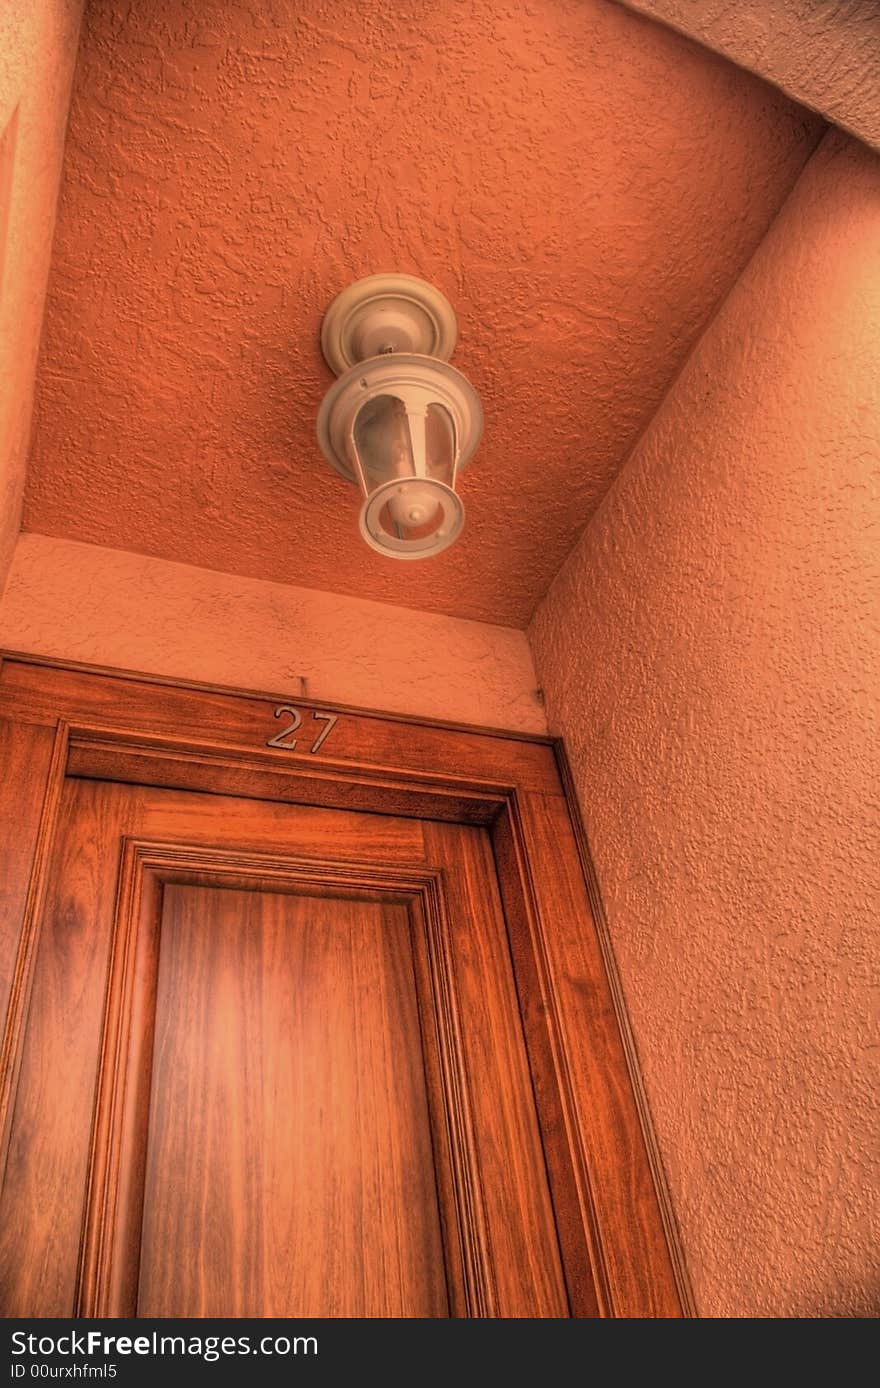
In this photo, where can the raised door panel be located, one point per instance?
(289, 1169)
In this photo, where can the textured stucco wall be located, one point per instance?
(37, 54)
(111, 607)
(825, 53)
(711, 653)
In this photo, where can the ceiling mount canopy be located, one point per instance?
(400, 422)
(387, 313)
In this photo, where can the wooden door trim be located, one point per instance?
(605, 1174)
(303, 697)
(107, 753)
(25, 953)
(569, 1168)
(628, 1042)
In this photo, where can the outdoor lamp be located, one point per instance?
(400, 422)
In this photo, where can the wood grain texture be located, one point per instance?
(25, 760)
(32, 761)
(43, 1199)
(109, 1271)
(245, 723)
(226, 822)
(143, 677)
(475, 1231)
(619, 1198)
(289, 1167)
(579, 1238)
(525, 1255)
(43, 1196)
(170, 762)
(628, 1044)
(107, 1279)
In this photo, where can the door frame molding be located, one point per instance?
(62, 718)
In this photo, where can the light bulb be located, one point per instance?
(412, 504)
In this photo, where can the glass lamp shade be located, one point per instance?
(402, 426)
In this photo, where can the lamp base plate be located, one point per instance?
(387, 313)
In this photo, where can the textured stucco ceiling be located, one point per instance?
(584, 185)
(825, 53)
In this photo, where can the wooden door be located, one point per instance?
(305, 1025)
(273, 1066)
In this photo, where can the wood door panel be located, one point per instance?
(289, 1141)
(196, 915)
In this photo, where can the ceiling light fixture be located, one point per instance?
(400, 422)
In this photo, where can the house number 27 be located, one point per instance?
(284, 738)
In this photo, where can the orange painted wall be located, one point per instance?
(111, 607)
(38, 41)
(711, 652)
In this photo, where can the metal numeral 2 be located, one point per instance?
(296, 722)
